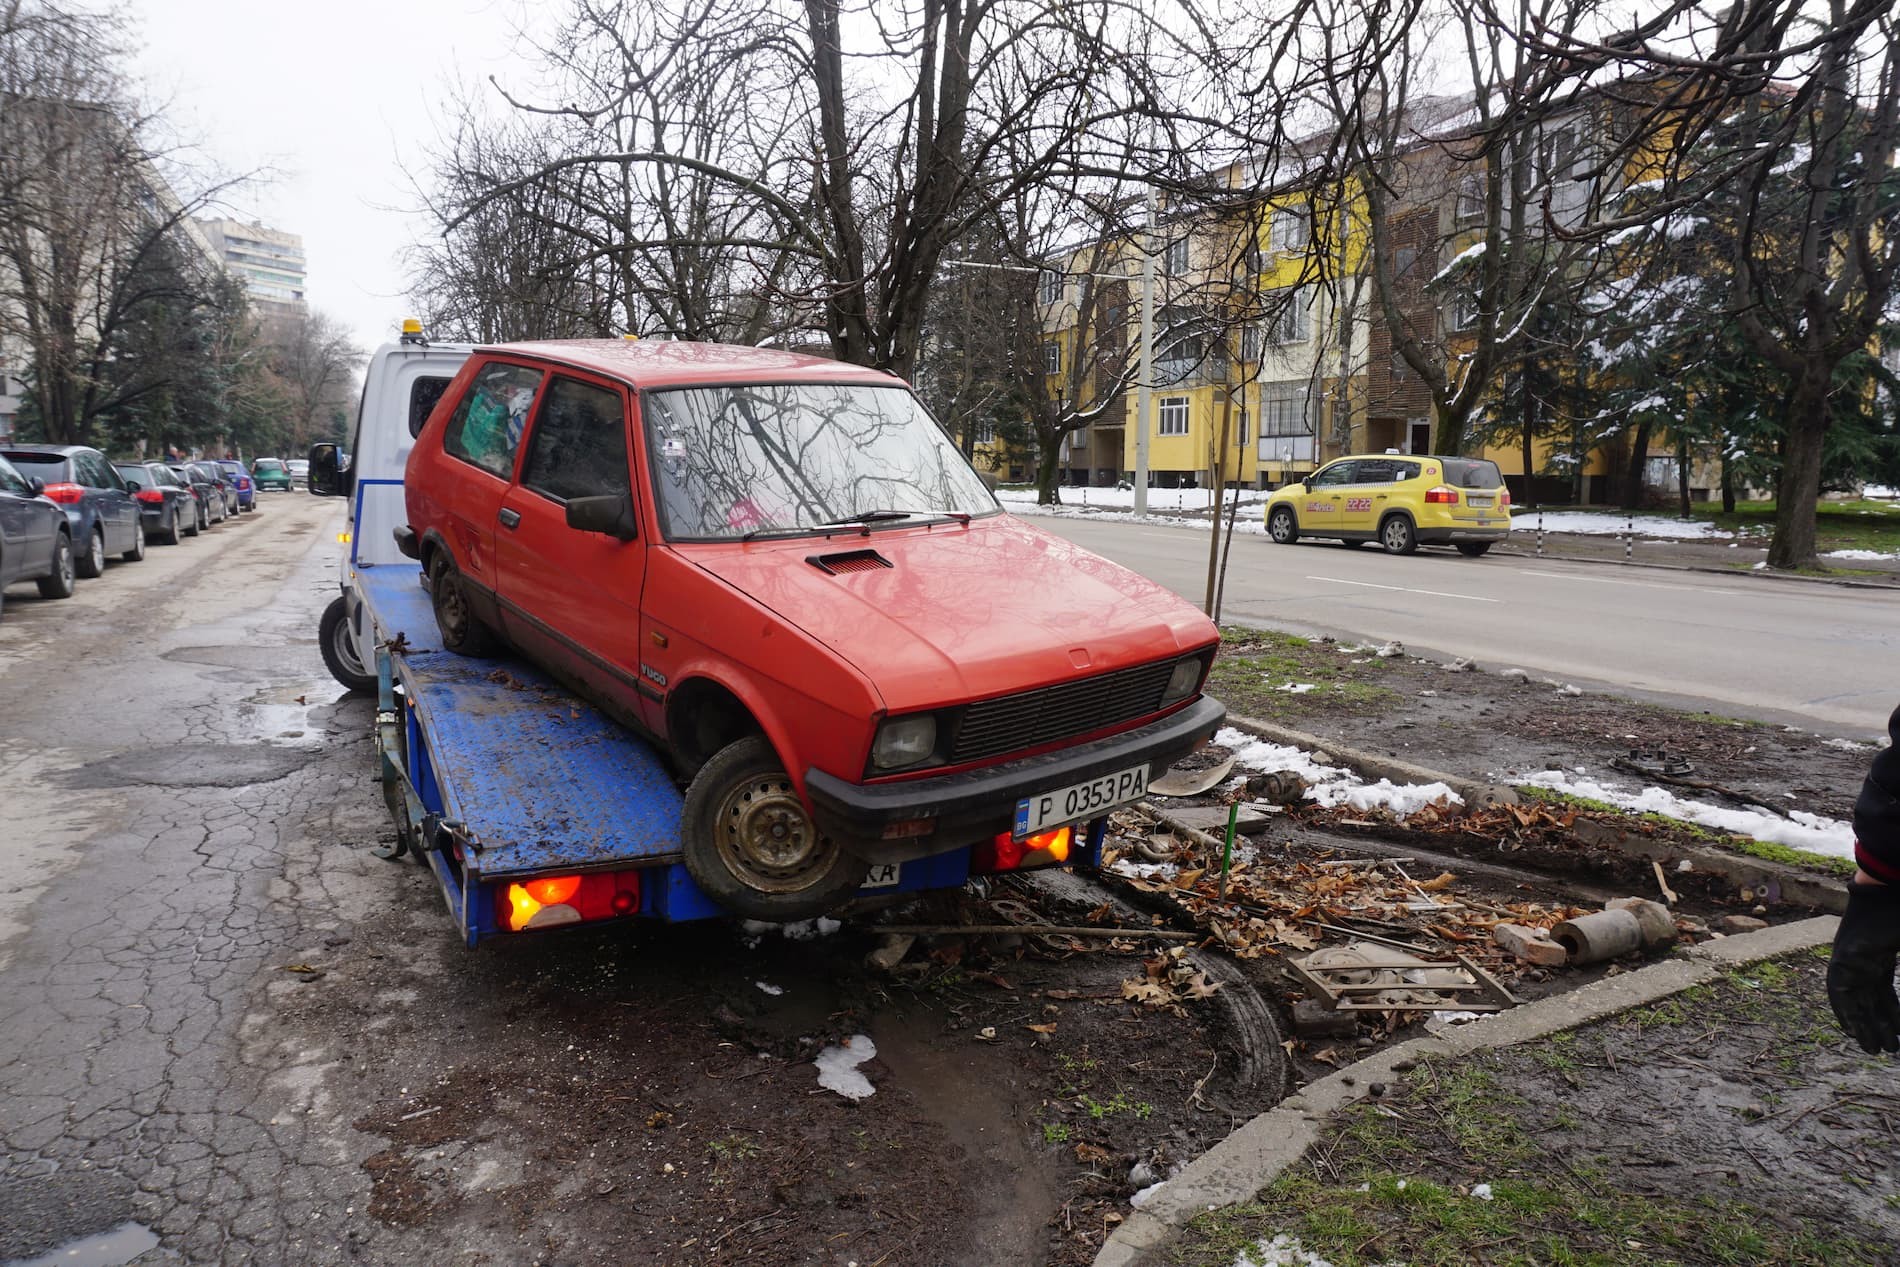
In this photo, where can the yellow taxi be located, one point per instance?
(1400, 500)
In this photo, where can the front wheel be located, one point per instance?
(59, 582)
(1473, 549)
(137, 552)
(92, 563)
(1282, 527)
(462, 631)
(1397, 536)
(751, 846)
(340, 655)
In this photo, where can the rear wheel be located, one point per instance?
(197, 519)
(176, 531)
(59, 582)
(1473, 549)
(750, 844)
(137, 552)
(340, 655)
(1282, 527)
(93, 562)
(1397, 535)
(462, 631)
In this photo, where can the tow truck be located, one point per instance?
(532, 808)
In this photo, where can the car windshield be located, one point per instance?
(783, 457)
(133, 472)
(1472, 473)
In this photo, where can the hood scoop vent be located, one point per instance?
(849, 561)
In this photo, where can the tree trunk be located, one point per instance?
(1448, 432)
(1798, 491)
(1530, 427)
(1682, 474)
(1219, 482)
(1728, 478)
(1633, 472)
(1048, 463)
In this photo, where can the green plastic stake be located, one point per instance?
(1227, 851)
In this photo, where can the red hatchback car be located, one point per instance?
(780, 570)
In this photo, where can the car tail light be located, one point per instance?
(1443, 495)
(64, 494)
(1504, 497)
(548, 901)
(1006, 853)
(150, 495)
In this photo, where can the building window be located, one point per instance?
(1176, 259)
(1173, 418)
(986, 433)
(1242, 442)
(1283, 410)
(1291, 229)
(1250, 342)
(1053, 284)
(1471, 199)
(1464, 310)
(1291, 321)
(1052, 358)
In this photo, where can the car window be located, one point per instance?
(1336, 474)
(1472, 473)
(423, 395)
(96, 472)
(486, 428)
(1402, 471)
(50, 467)
(11, 480)
(1373, 471)
(131, 472)
(578, 447)
(266, 464)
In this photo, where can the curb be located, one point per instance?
(1238, 1167)
(1845, 582)
(1371, 765)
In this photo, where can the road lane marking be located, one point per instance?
(1469, 598)
(1608, 580)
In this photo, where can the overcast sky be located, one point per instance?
(341, 98)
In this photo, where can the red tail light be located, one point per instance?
(64, 494)
(150, 495)
(1006, 853)
(1443, 495)
(549, 901)
(1504, 497)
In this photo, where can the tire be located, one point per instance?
(339, 650)
(137, 553)
(60, 583)
(750, 845)
(176, 532)
(1282, 526)
(1473, 549)
(197, 519)
(1397, 535)
(92, 563)
(462, 631)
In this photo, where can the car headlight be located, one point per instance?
(1181, 684)
(903, 741)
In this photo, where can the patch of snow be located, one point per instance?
(1159, 499)
(1880, 491)
(1757, 567)
(1141, 1198)
(1800, 830)
(1482, 1191)
(1859, 554)
(1296, 688)
(1332, 785)
(1284, 1250)
(1847, 745)
(1599, 523)
(1463, 257)
(797, 930)
(1144, 870)
(838, 1068)
(769, 988)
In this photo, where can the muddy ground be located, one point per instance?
(1726, 1125)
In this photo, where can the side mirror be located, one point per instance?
(611, 516)
(133, 486)
(35, 485)
(327, 478)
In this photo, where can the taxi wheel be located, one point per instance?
(1397, 536)
(462, 631)
(1282, 527)
(751, 846)
(1473, 549)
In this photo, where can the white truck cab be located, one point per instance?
(401, 385)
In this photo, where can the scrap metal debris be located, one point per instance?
(1367, 976)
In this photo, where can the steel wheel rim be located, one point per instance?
(449, 607)
(98, 548)
(767, 840)
(65, 564)
(345, 648)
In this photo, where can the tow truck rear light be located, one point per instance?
(548, 901)
(1443, 495)
(64, 494)
(1006, 853)
(152, 495)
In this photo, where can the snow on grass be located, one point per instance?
(1599, 523)
(1284, 1250)
(838, 1068)
(1861, 554)
(1799, 830)
(1295, 688)
(1159, 499)
(1331, 785)
(769, 988)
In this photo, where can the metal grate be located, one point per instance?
(1014, 722)
(849, 561)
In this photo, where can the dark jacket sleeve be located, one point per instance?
(1877, 812)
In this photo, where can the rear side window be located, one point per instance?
(1472, 473)
(11, 480)
(96, 472)
(423, 395)
(138, 473)
(578, 447)
(1402, 471)
(486, 428)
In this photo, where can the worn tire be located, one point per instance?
(137, 552)
(60, 583)
(92, 564)
(751, 846)
(176, 532)
(1282, 526)
(1398, 536)
(1473, 549)
(462, 631)
(340, 655)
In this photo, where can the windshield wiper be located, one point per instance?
(796, 530)
(870, 517)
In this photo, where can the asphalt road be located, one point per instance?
(1781, 650)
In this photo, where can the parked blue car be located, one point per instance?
(36, 542)
(104, 518)
(246, 486)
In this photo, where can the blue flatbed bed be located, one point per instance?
(498, 775)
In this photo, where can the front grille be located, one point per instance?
(1011, 723)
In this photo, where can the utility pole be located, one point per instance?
(1144, 400)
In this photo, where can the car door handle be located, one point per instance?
(509, 518)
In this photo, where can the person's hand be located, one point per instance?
(1860, 974)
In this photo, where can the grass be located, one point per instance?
(1854, 525)
(1767, 851)
(1255, 663)
(1792, 857)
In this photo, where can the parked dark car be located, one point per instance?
(36, 542)
(242, 481)
(165, 502)
(204, 492)
(104, 518)
(227, 502)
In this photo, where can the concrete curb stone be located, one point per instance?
(1256, 1154)
(1846, 582)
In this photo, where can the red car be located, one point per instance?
(782, 572)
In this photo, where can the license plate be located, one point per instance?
(1079, 801)
(883, 876)
(1474, 499)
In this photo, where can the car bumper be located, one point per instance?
(976, 805)
(154, 516)
(1462, 532)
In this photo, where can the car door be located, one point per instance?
(25, 538)
(482, 439)
(1324, 503)
(115, 508)
(1361, 499)
(573, 596)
